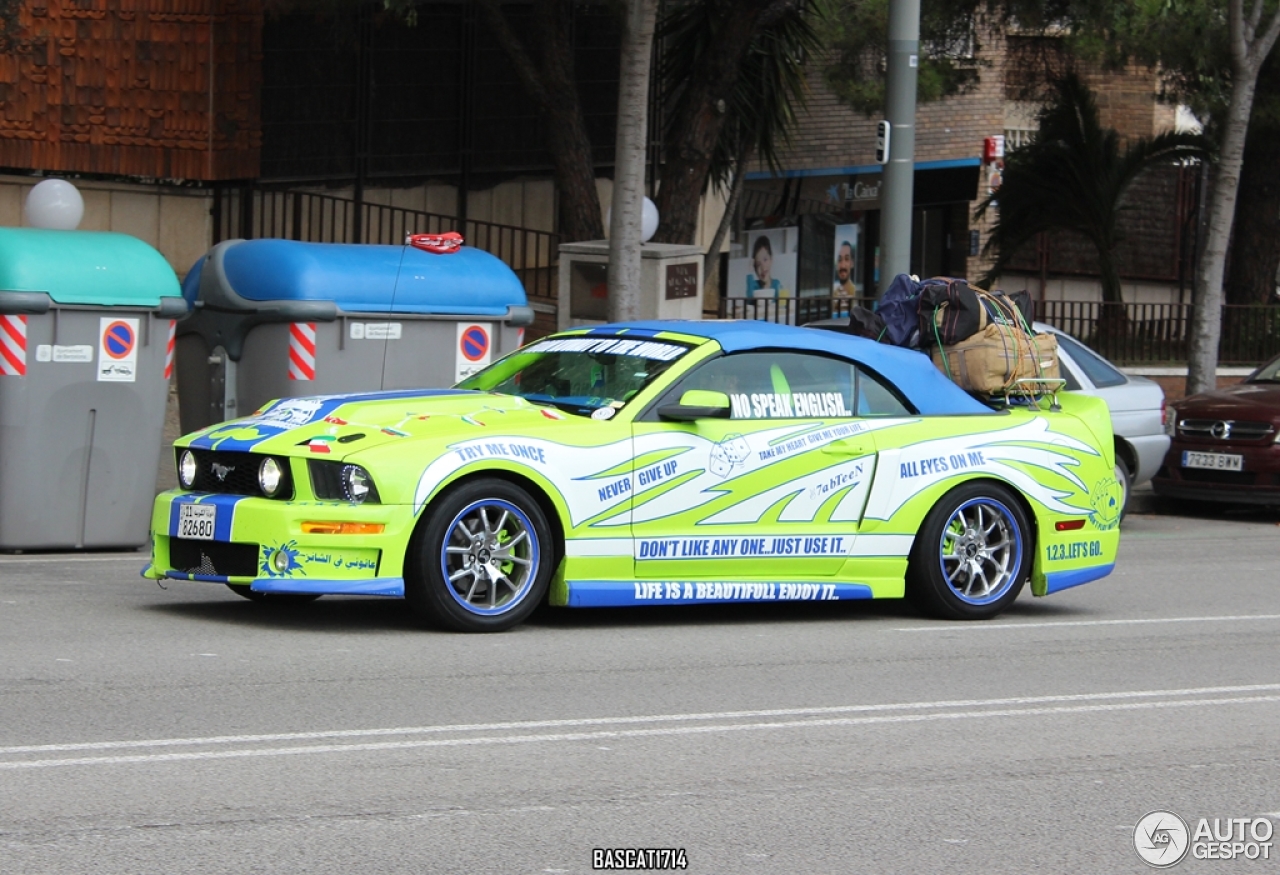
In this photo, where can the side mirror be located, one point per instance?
(698, 404)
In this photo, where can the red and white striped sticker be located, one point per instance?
(302, 351)
(13, 346)
(168, 349)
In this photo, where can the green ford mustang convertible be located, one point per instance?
(652, 463)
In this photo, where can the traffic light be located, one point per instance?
(882, 142)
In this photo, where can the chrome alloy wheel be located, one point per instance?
(980, 551)
(489, 556)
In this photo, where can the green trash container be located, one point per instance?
(86, 345)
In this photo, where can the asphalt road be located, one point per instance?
(150, 730)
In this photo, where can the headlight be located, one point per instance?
(1171, 421)
(187, 469)
(270, 475)
(356, 484)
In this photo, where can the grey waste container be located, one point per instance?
(86, 326)
(278, 318)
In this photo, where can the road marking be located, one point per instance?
(712, 722)
(953, 627)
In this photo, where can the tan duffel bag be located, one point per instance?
(991, 361)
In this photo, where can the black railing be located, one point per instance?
(1161, 333)
(1128, 334)
(254, 212)
(791, 311)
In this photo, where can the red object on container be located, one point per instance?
(440, 244)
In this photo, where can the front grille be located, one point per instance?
(233, 473)
(1223, 478)
(1224, 429)
(213, 558)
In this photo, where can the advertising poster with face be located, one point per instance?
(767, 269)
(847, 281)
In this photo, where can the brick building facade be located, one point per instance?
(833, 150)
(134, 88)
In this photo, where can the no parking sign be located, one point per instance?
(474, 349)
(117, 350)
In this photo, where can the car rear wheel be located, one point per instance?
(273, 598)
(973, 554)
(482, 558)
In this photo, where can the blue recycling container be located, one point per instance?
(276, 318)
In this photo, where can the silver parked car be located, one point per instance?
(1136, 403)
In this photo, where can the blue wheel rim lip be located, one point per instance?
(531, 573)
(1017, 555)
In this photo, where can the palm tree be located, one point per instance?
(1073, 177)
(759, 111)
(732, 78)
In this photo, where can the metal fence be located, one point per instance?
(252, 212)
(1161, 333)
(790, 311)
(1128, 334)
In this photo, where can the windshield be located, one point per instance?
(1268, 373)
(579, 374)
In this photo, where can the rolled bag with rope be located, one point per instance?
(983, 341)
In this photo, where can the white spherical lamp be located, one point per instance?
(648, 220)
(54, 204)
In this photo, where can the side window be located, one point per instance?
(781, 385)
(875, 398)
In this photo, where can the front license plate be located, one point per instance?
(197, 521)
(1212, 461)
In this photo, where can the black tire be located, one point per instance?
(975, 532)
(481, 558)
(1125, 478)
(272, 598)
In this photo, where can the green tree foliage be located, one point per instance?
(733, 73)
(760, 110)
(1073, 177)
(951, 43)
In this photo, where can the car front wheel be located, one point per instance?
(973, 554)
(482, 558)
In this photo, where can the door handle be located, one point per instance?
(849, 447)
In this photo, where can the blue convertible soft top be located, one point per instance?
(914, 373)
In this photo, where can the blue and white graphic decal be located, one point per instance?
(242, 435)
(696, 470)
(1107, 498)
(288, 560)
(807, 495)
(906, 472)
(763, 547)
(225, 513)
(636, 346)
(618, 594)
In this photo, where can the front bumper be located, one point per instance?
(1257, 483)
(259, 543)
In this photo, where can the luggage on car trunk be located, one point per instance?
(992, 360)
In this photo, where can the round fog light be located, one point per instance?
(280, 561)
(269, 476)
(187, 469)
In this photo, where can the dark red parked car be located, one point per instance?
(1225, 443)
